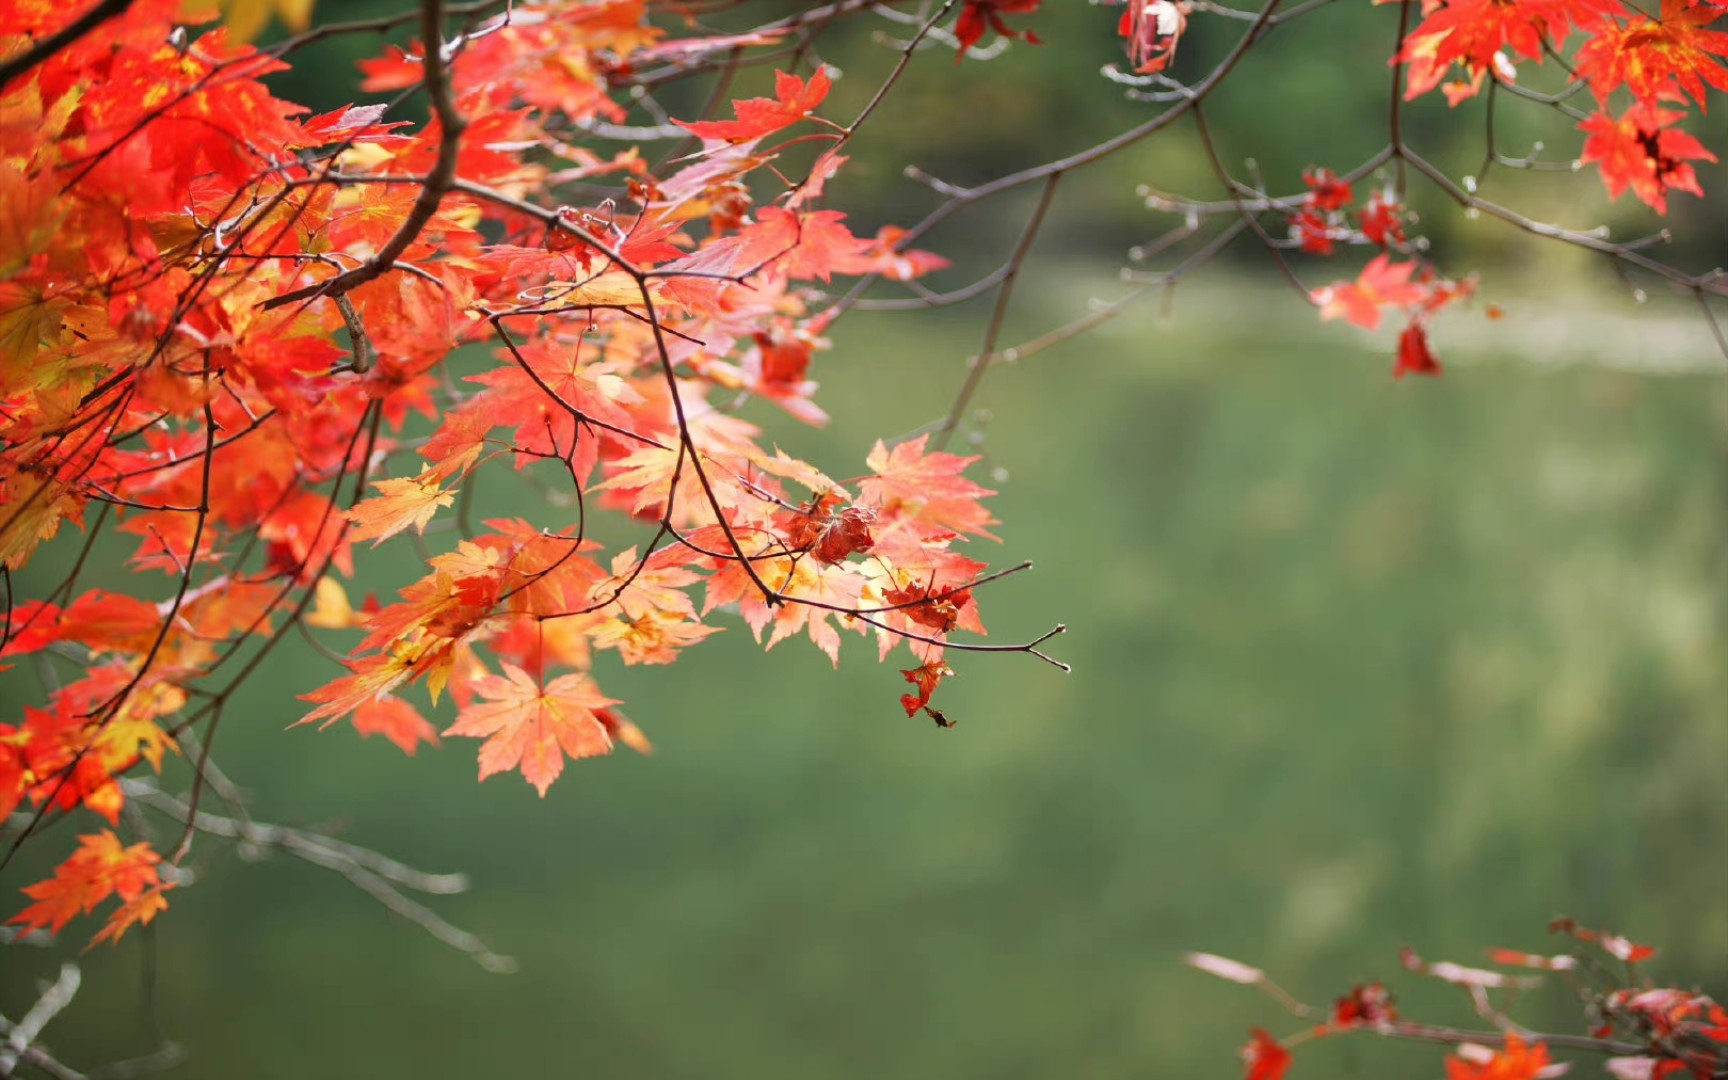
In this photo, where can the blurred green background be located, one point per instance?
(1358, 664)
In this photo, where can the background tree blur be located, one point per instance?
(1359, 664)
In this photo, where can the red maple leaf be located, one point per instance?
(1313, 233)
(1475, 34)
(934, 609)
(1265, 1057)
(1368, 1004)
(980, 15)
(794, 99)
(1624, 949)
(926, 677)
(811, 244)
(1153, 28)
(828, 536)
(1640, 151)
(1326, 189)
(1653, 57)
(1382, 221)
(1414, 356)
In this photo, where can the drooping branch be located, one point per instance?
(21, 1036)
(380, 876)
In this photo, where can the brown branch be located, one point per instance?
(967, 196)
(962, 646)
(960, 198)
(987, 353)
(381, 877)
(1401, 1029)
(1252, 218)
(1395, 106)
(1713, 281)
(436, 184)
(894, 76)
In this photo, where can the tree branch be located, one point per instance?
(60, 39)
(54, 999)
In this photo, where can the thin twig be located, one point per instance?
(987, 353)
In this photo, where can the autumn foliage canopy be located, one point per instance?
(248, 338)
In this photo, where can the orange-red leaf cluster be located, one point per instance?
(1655, 57)
(175, 357)
(101, 867)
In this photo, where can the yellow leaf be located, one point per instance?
(35, 506)
(613, 288)
(29, 217)
(27, 319)
(330, 607)
(401, 503)
(245, 18)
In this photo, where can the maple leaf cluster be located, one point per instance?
(1658, 61)
(226, 326)
(218, 315)
(1648, 1031)
(1412, 287)
(1652, 58)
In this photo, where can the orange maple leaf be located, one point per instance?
(246, 18)
(835, 588)
(656, 585)
(1381, 282)
(1265, 1057)
(137, 911)
(101, 867)
(793, 100)
(396, 720)
(926, 486)
(301, 533)
(1519, 1061)
(111, 622)
(36, 505)
(534, 727)
(371, 677)
(404, 502)
(654, 637)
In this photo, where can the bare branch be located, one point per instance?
(54, 999)
(378, 875)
